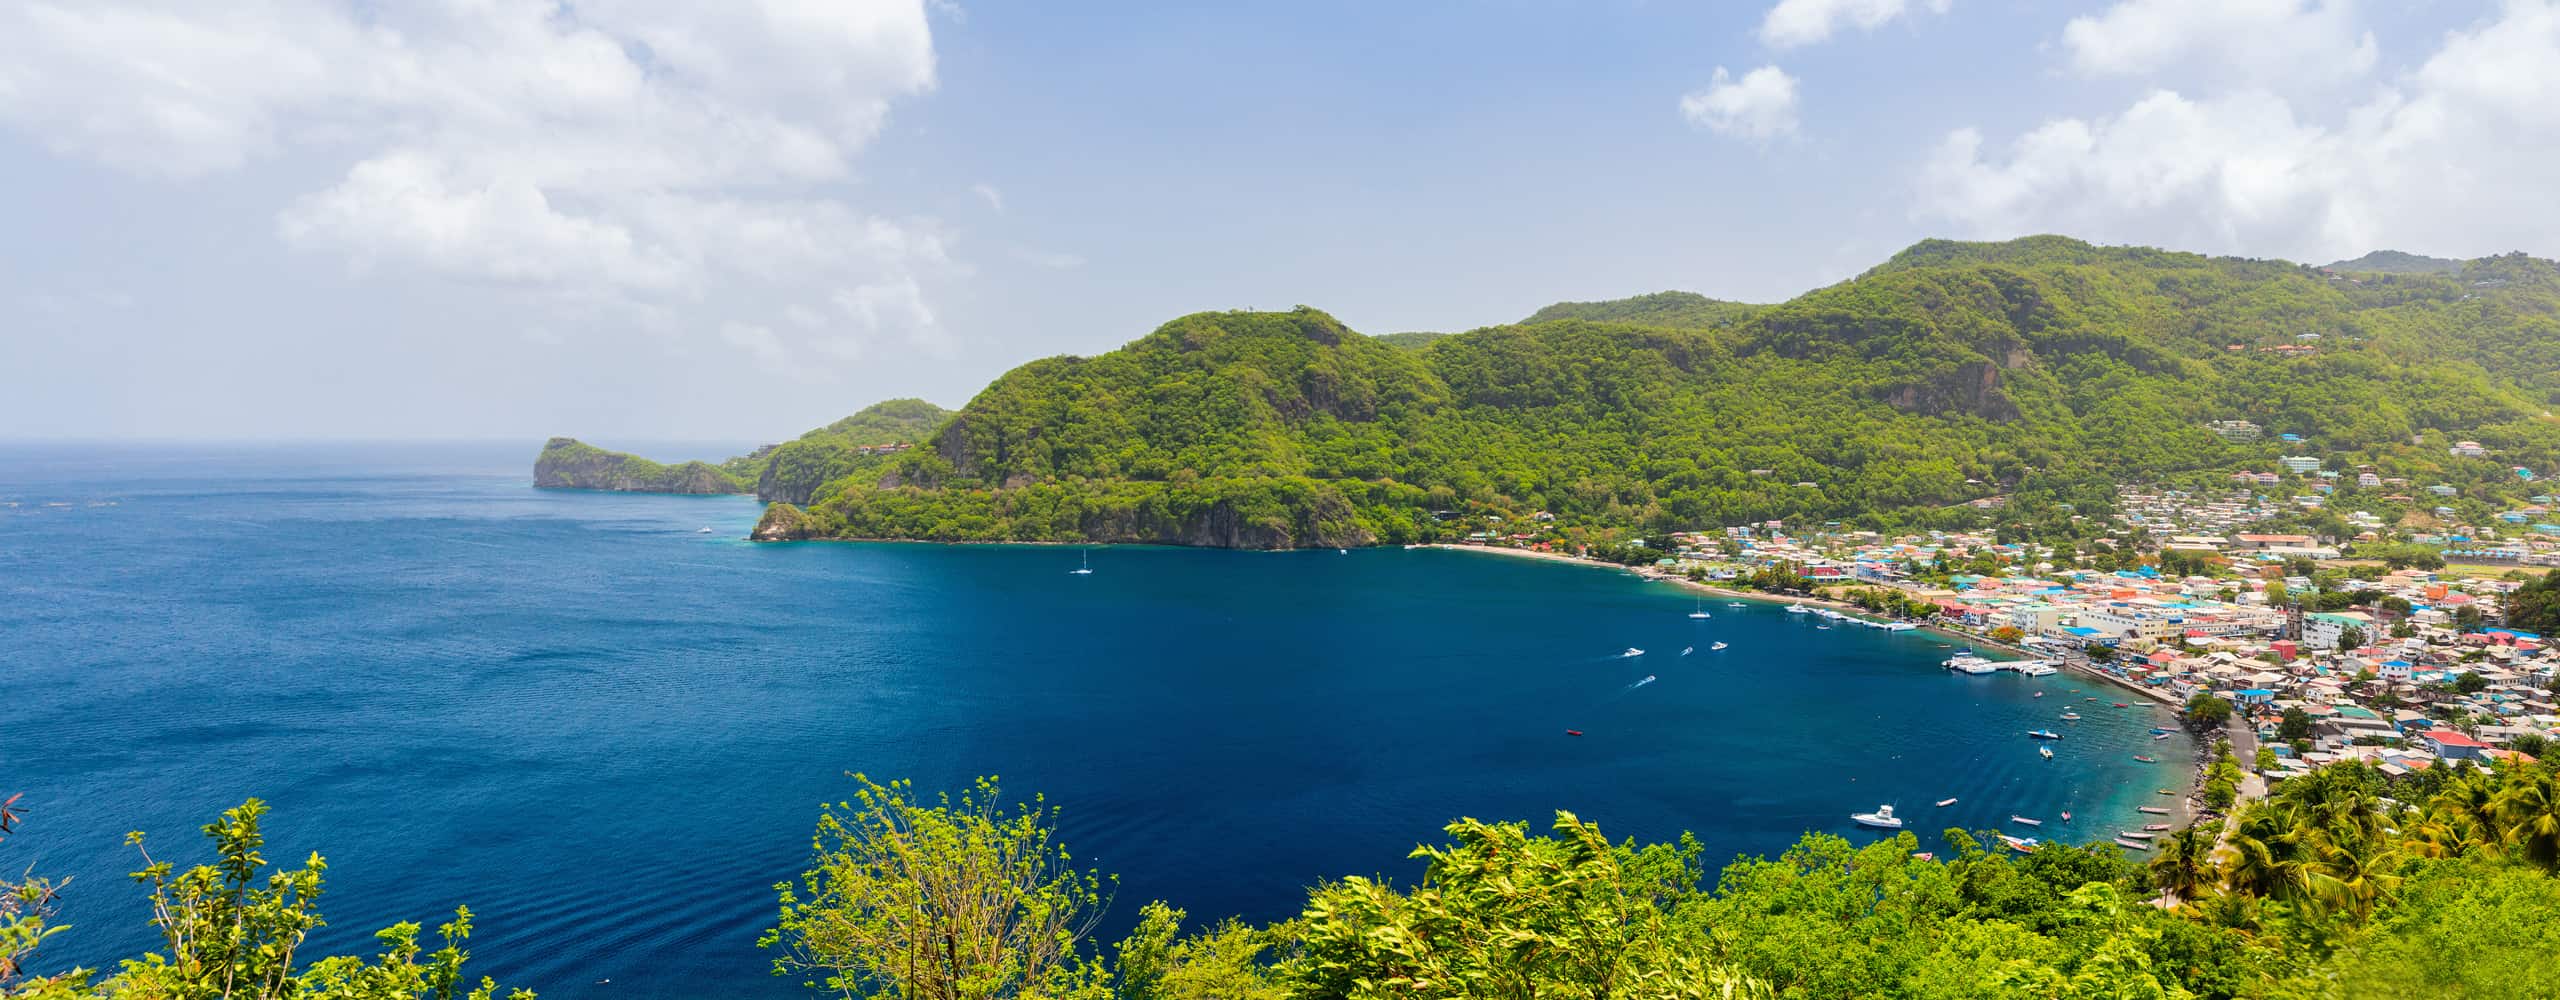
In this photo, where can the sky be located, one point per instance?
(653, 220)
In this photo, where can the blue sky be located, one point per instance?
(651, 220)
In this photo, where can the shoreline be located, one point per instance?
(2189, 805)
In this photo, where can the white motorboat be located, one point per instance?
(2046, 751)
(1882, 819)
(2023, 821)
(1716, 646)
(1797, 609)
(1632, 652)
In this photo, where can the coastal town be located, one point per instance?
(2389, 647)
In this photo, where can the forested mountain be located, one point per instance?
(2396, 262)
(1680, 309)
(2042, 370)
(790, 472)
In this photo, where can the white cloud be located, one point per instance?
(675, 162)
(1804, 22)
(988, 193)
(1760, 105)
(2454, 158)
(2274, 43)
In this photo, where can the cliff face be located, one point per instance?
(568, 463)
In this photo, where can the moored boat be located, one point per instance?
(1573, 732)
(2146, 760)
(2023, 821)
(2160, 736)
(2046, 751)
(2043, 734)
(2022, 845)
(1716, 646)
(2070, 716)
(1882, 819)
(2133, 845)
(2155, 827)
(2153, 810)
(1943, 803)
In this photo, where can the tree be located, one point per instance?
(2296, 725)
(2007, 633)
(2206, 710)
(2535, 607)
(2277, 595)
(2266, 759)
(2351, 637)
(961, 900)
(233, 930)
(2470, 682)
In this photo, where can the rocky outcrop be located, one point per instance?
(783, 522)
(571, 464)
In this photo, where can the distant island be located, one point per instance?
(1952, 384)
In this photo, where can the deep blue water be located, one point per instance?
(609, 733)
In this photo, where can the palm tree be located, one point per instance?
(2184, 865)
(2264, 865)
(2528, 817)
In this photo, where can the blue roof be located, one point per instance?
(2396, 663)
(2076, 630)
(2257, 693)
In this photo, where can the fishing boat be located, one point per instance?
(2153, 810)
(2046, 751)
(1084, 570)
(2131, 835)
(1943, 803)
(1882, 819)
(1715, 646)
(2070, 716)
(1573, 732)
(2132, 845)
(2043, 734)
(2155, 827)
(2146, 760)
(2023, 821)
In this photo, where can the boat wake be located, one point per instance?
(1648, 679)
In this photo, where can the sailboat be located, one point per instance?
(1701, 610)
(1084, 570)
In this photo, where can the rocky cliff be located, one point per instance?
(568, 463)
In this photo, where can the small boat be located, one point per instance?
(2153, 810)
(1084, 570)
(2023, 821)
(2043, 734)
(2157, 731)
(704, 530)
(1923, 856)
(1797, 609)
(1715, 646)
(1882, 819)
(2039, 694)
(2155, 827)
(1686, 650)
(1943, 803)
(2132, 845)
(2022, 845)
(2165, 791)
(1343, 551)
(1573, 732)
(2070, 716)
(1964, 651)
(1822, 626)
(1733, 604)
(2046, 751)
(2066, 815)
(2122, 705)
(2091, 698)
(2159, 736)
(2130, 835)
(1632, 651)
(2146, 760)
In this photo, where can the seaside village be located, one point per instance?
(2406, 668)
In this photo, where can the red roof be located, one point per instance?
(2449, 738)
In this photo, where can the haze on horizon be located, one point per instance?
(636, 220)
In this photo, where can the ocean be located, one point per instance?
(609, 732)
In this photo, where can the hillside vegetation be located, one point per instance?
(2041, 370)
(790, 472)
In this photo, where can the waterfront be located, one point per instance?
(608, 732)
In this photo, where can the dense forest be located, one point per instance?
(2341, 884)
(2037, 373)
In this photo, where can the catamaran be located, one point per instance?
(1882, 819)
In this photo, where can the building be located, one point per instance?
(2236, 430)
(2301, 464)
(2449, 745)
(2326, 630)
(2468, 449)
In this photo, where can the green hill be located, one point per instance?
(790, 472)
(2042, 371)
(1674, 309)
(2396, 262)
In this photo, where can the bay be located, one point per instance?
(609, 732)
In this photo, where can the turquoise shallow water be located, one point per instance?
(608, 732)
